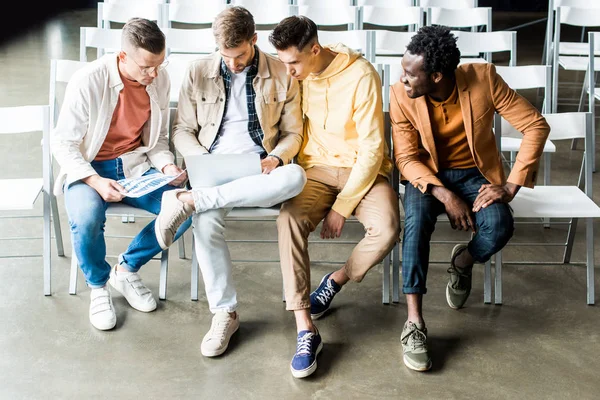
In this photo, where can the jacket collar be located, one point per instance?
(260, 57)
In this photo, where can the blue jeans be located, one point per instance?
(495, 225)
(87, 216)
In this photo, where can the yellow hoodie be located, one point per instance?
(343, 124)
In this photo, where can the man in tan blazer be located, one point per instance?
(442, 117)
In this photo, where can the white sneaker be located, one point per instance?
(173, 213)
(130, 285)
(216, 340)
(102, 311)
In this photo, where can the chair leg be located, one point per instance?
(57, 231)
(73, 273)
(487, 282)
(589, 243)
(570, 240)
(396, 273)
(498, 279)
(385, 285)
(164, 267)
(547, 171)
(182, 247)
(195, 268)
(47, 249)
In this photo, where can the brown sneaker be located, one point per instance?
(173, 213)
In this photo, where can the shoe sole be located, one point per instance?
(111, 280)
(310, 370)
(159, 239)
(220, 351)
(414, 367)
(104, 328)
(453, 255)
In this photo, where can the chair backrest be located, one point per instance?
(263, 14)
(392, 42)
(327, 16)
(120, 12)
(177, 69)
(61, 71)
(472, 18)
(359, 40)
(325, 3)
(181, 13)
(189, 41)
(386, 3)
(263, 43)
(103, 40)
(457, 4)
(30, 118)
(410, 18)
(473, 43)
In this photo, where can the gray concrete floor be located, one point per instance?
(542, 343)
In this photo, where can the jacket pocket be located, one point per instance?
(208, 104)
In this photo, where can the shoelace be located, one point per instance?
(327, 294)
(178, 218)
(136, 284)
(304, 344)
(415, 339)
(220, 329)
(459, 284)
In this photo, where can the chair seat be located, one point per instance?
(554, 202)
(470, 60)
(577, 63)
(575, 48)
(23, 193)
(254, 212)
(514, 144)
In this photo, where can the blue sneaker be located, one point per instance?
(321, 298)
(309, 346)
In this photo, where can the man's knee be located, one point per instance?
(498, 227)
(82, 220)
(208, 224)
(295, 179)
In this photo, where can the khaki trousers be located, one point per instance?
(378, 212)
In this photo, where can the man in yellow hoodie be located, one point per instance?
(347, 166)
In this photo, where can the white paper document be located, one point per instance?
(137, 187)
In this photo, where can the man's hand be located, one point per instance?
(459, 214)
(108, 189)
(489, 194)
(268, 164)
(332, 225)
(172, 170)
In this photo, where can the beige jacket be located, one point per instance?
(202, 105)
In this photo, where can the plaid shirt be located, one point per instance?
(254, 129)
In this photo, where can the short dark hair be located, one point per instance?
(437, 45)
(143, 33)
(297, 31)
(233, 26)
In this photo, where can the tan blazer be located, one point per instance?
(481, 93)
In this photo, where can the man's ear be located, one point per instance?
(122, 56)
(436, 77)
(315, 49)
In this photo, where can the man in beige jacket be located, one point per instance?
(237, 100)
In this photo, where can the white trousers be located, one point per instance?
(212, 206)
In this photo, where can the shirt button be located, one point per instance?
(221, 99)
(212, 124)
(203, 99)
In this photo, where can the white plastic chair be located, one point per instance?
(21, 194)
(572, 202)
(386, 3)
(567, 55)
(410, 18)
(390, 46)
(263, 43)
(455, 4)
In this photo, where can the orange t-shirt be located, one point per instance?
(449, 133)
(129, 117)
